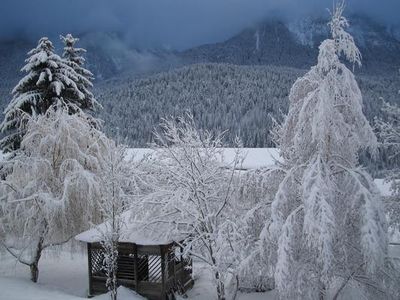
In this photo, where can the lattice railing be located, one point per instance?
(149, 268)
(97, 258)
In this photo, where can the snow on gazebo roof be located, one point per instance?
(133, 232)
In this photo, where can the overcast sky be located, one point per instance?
(175, 24)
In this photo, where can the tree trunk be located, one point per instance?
(113, 294)
(234, 296)
(34, 272)
(220, 287)
(322, 291)
(35, 264)
(114, 284)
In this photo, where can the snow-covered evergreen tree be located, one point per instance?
(48, 80)
(328, 220)
(74, 58)
(52, 190)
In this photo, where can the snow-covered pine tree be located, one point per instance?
(49, 80)
(74, 58)
(52, 190)
(328, 220)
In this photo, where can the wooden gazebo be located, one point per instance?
(152, 268)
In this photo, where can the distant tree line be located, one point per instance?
(240, 99)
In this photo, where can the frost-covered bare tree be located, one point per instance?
(328, 220)
(49, 79)
(192, 196)
(116, 179)
(52, 190)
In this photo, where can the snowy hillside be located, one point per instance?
(240, 99)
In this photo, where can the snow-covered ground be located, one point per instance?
(22, 289)
(60, 276)
(65, 277)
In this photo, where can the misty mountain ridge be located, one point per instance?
(237, 84)
(272, 42)
(295, 44)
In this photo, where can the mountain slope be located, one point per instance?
(295, 44)
(270, 43)
(240, 99)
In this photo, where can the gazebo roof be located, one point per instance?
(133, 232)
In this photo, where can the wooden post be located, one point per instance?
(183, 267)
(172, 255)
(89, 255)
(135, 267)
(163, 290)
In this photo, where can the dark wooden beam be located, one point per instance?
(163, 291)
(135, 266)
(89, 255)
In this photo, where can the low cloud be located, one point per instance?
(176, 24)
